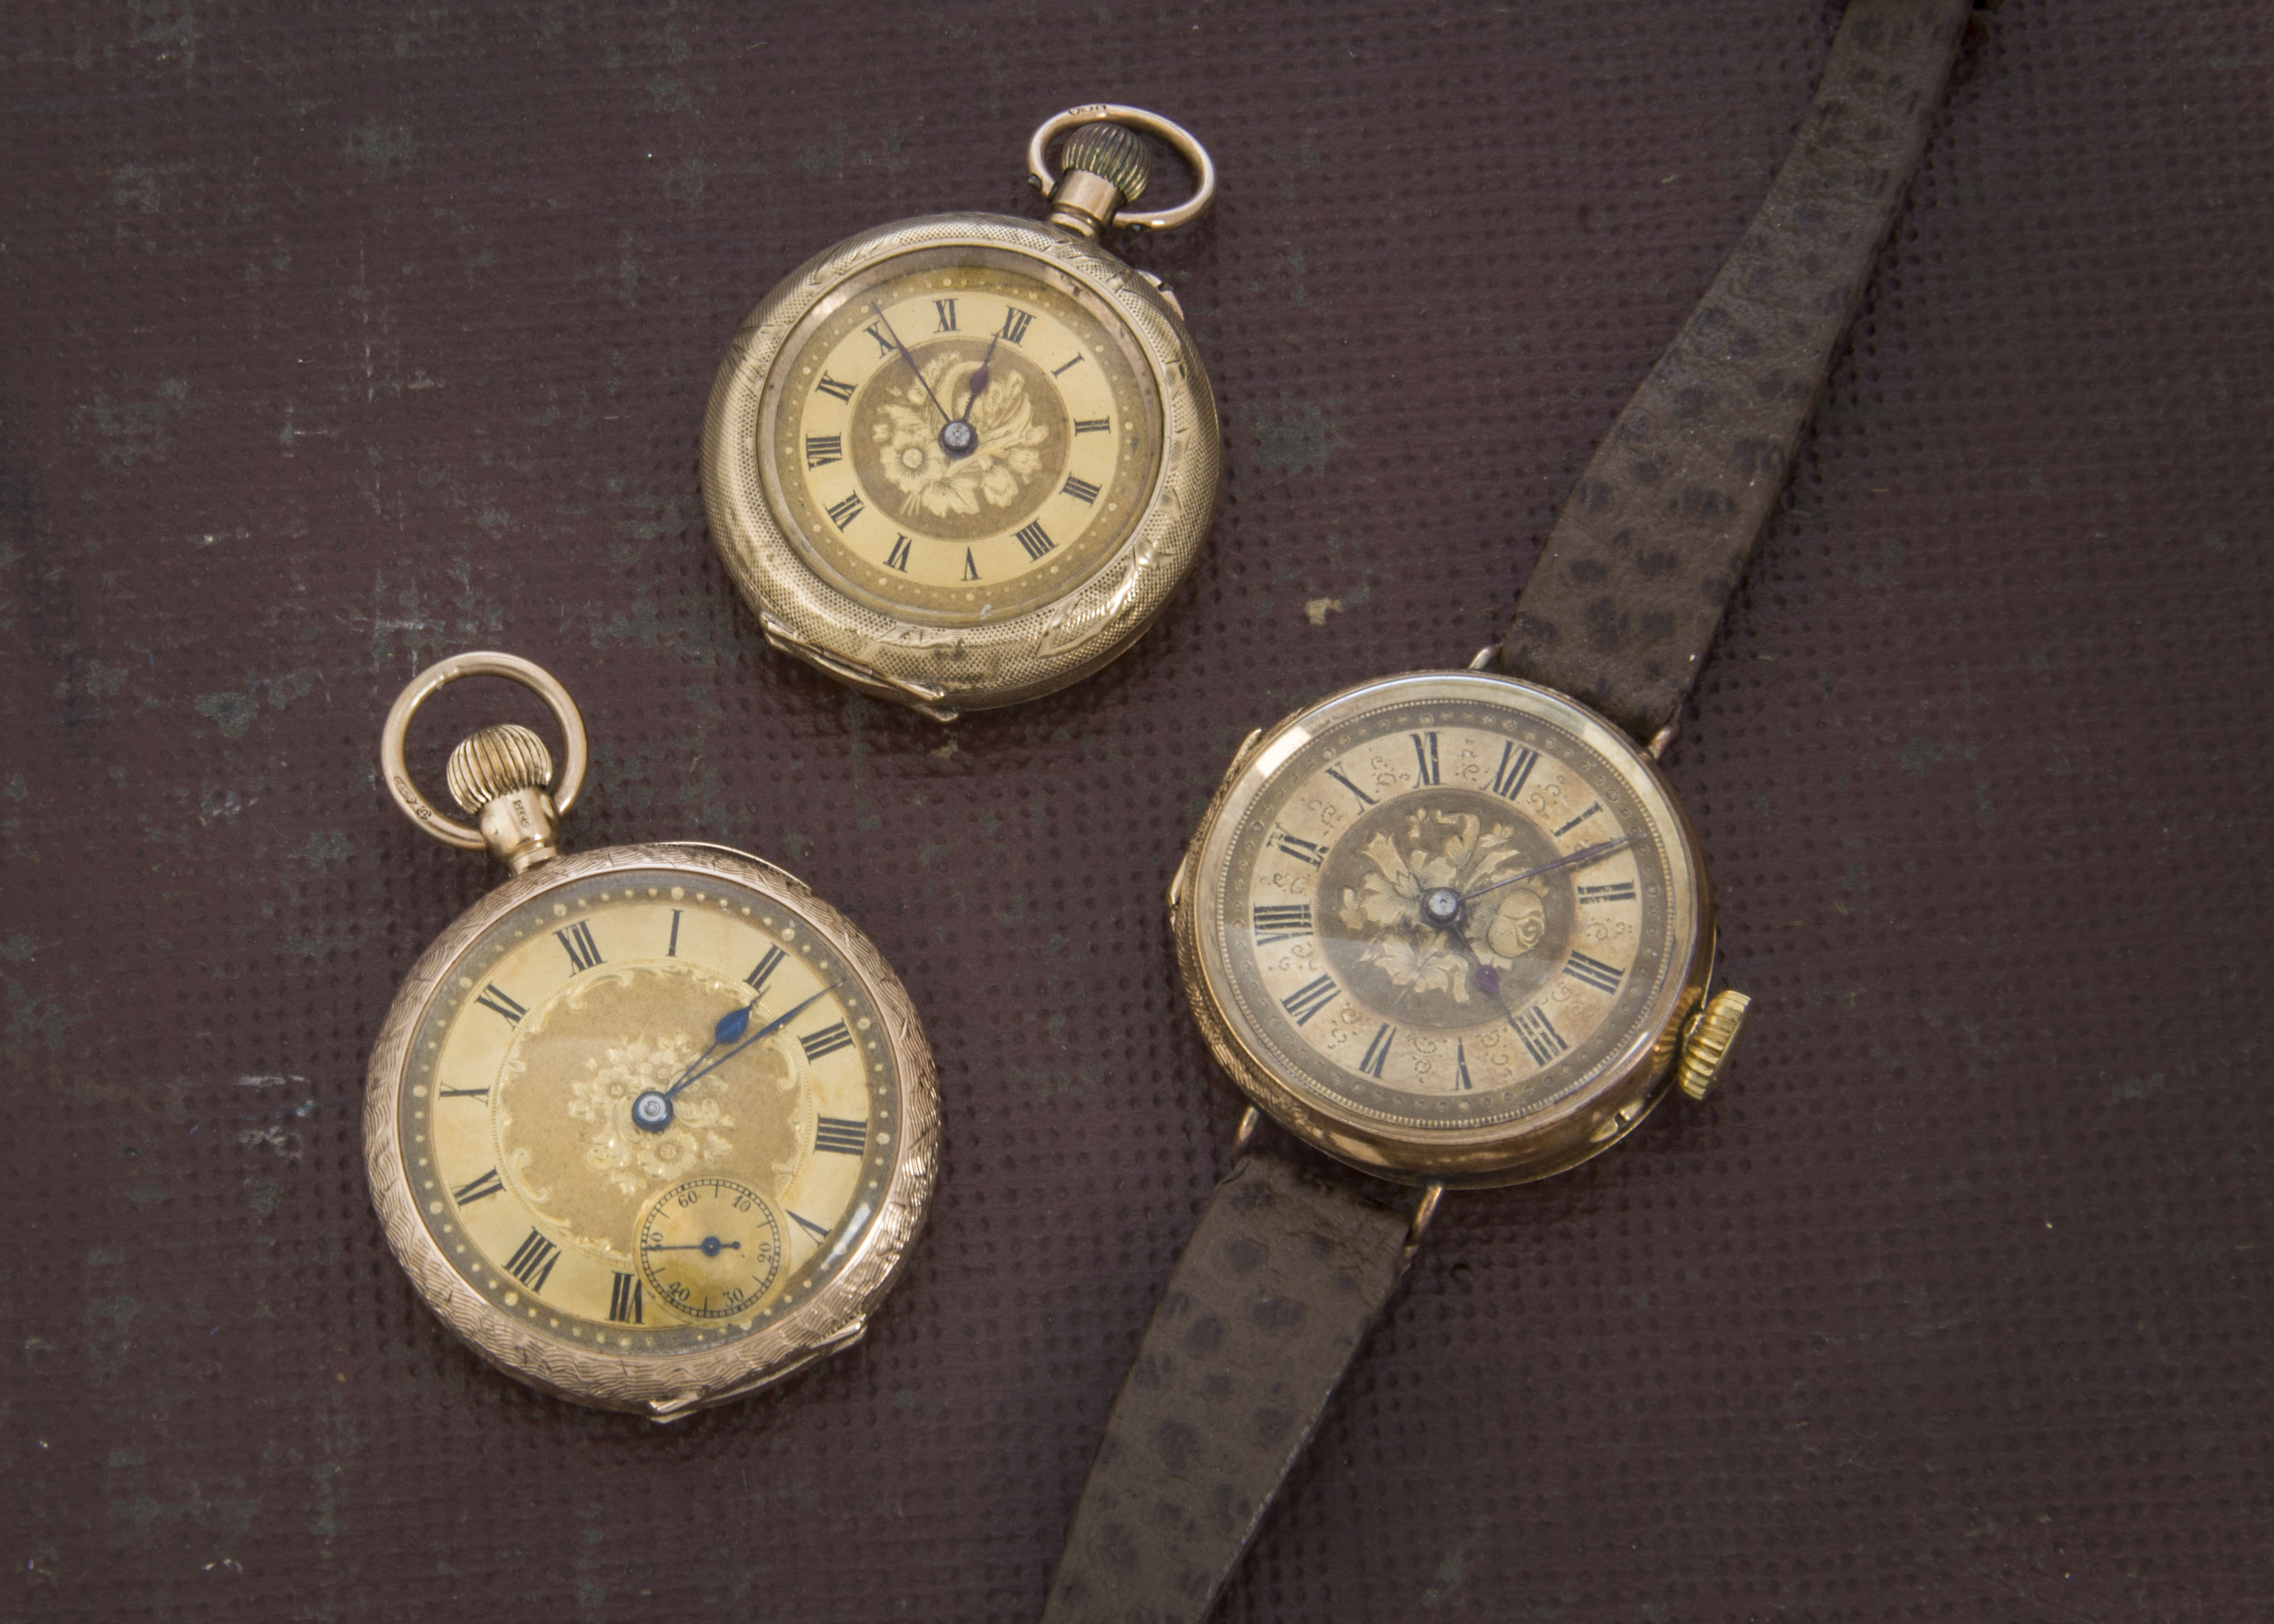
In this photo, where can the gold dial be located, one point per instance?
(645, 1058)
(960, 461)
(1446, 912)
(957, 438)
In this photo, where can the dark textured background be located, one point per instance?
(339, 337)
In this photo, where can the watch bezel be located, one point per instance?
(1588, 1119)
(661, 1385)
(944, 669)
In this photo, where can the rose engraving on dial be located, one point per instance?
(606, 1049)
(1381, 878)
(961, 437)
(1448, 913)
(967, 485)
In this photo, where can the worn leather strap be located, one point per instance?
(1628, 591)
(1284, 1274)
(1273, 1294)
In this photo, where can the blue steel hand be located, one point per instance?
(740, 1019)
(911, 360)
(1585, 853)
(731, 1026)
(1485, 976)
(980, 378)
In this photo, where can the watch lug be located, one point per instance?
(1177, 885)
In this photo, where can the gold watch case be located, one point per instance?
(928, 583)
(1322, 988)
(753, 1225)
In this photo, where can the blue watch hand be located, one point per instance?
(1585, 853)
(979, 379)
(652, 1110)
(766, 1031)
(731, 1026)
(885, 321)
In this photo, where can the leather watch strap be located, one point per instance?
(1285, 1273)
(1628, 591)
(1273, 1294)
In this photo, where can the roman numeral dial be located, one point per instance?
(965, 440)
(525, 1162)
(1442, 912)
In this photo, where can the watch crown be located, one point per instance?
(495, 762)
(1706, 1042)
(1105, 167)
(1113, 152)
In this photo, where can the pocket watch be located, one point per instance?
(1452, 929)
(648, 1127)
(962, 461)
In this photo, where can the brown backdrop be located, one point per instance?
(339, 337)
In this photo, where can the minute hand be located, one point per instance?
(1585, 853)
(885, 322)
(766, 1031)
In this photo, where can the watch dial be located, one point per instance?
(961, 435)
(1449, 911)
(648, 1112)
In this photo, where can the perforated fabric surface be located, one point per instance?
(339, 338)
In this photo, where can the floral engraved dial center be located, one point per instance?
(979, 471)
(968, 436)
(1445, 912)
(1426, 925)
(587, 1069)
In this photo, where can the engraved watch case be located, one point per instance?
(830, 538)
(648, 1127)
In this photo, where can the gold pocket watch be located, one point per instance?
(650, 1126)
(962, 461)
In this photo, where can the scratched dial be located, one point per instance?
(961, 435)
(1439, 905)
(649, 1112)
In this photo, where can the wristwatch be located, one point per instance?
(1452, 929)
